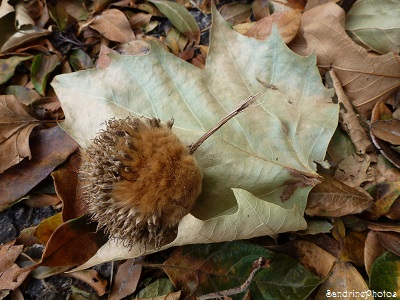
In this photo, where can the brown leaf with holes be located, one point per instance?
(332, 198)
(366, 80)
(288, 23)
(16, 126)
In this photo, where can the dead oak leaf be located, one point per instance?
(15, 127)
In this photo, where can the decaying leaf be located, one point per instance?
(16, 125)
(335, 199)
(354, 170)
(8, 65)
(366, 80)
(92, 278)
(127, 279)
(388, 131)
(290, 136)
(384, 193)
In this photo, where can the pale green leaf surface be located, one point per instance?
(257, 153)
(375, 24)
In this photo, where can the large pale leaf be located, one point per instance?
(265, 153)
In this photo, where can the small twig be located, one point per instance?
(242, 106)
(258, 264)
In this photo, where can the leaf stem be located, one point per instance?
(258, 264)
(241, 107)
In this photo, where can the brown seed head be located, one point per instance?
(140, 180)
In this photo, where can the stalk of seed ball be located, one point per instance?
(140, 180)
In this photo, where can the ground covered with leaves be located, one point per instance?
(300, 191)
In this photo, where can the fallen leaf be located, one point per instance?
(162, 286)
(50, 148)
(8, 65)
(127, 279)
(383, 280)
(22, 94)
(92, 278)
(375, 26)
(349, 121)
(181, 18)
(373, 249)
(343, 283)
(354, 170)
(139, 20)
(16, 125)
(41, 68)
(288, 23)
(261, 161)
(207, 269)
(335, 199)
(353, 248)
(390, 240)
(72, 243)
(236, 13)
(314, 258)
(388, 131)
(384, 194)
(12, 38)
(383, 226)
(46, 228)
(11, 275)
(283, 5)
(340, 147)
(113, 25)
(366, 80)
(260, 9)
(80, 60)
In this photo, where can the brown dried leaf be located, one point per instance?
(260, 9)
(335, 199)
(236, 13)
(126, 280)
(344, 277)
(282, 5)
(16, 126)
(385, 194)
(139, 20)
(314, 258)
(11, 275)
(366, 80)
(92, 278)
(113, 25)
(50, 148)
(288, 23)
(354, 170)
(349, 120)
(353, 248)
(373, 249)
(388, 131)
(390, 240)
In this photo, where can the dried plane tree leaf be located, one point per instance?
(366, 80)
(288, 23)
(349, 120)
(335, 199)
(16, 126)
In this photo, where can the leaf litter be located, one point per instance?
(347, 227)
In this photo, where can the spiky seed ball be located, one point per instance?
(140, 180)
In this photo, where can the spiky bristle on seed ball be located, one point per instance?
(140, 180)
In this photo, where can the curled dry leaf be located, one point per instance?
(16, 126)
(373, 249)
(113, 25)
(335, 199)
(388, 131)
(366, 80)
(288, 23)
(349, 121)
(354, 170)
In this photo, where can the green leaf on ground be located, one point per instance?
(384, 276)
(263, 154)
(217, 267)
(8, 65)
